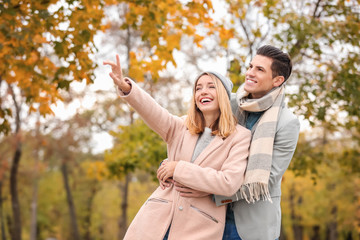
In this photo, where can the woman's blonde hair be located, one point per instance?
(226, 122)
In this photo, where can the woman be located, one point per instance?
(207, 151)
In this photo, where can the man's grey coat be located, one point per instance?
(262, 220)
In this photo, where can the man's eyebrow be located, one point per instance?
(259, 66)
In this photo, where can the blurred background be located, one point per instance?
(77, 163)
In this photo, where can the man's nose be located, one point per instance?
(249, 72)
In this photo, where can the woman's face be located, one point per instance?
(205, 96)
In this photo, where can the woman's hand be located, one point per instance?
(168, 182)
(166, 170)
(117, 75)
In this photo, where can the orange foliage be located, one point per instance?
(162, 24)
(44, 47)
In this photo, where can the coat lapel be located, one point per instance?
(189, 140)
(214, 144)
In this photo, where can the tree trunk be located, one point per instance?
(15, 205)
(331, 227)
(34, 203)
(124, 192)
(16, 225)
(33, 224)
(34, 200)
(73, 222)
(349, 236)
(87, 220)
(316, 233)
(124, 205)
(2, 224)
(296, 226)
(9, 224)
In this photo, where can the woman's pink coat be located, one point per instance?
(219, 169)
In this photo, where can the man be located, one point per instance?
(259, 105)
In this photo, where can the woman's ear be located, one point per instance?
(277, 81)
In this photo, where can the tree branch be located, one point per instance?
(17, 108)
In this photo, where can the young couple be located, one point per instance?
(222, 180)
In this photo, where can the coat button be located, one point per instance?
(181, 208)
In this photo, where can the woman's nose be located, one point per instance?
(204, 91)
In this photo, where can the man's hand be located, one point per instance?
(166, 184)
(189, 192)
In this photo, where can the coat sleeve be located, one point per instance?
(225, 181)
(155, 116)
(284, 147)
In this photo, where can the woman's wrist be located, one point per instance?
(126, 88)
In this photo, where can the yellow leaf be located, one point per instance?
(173, 41)
(39, 39)
(32, 59)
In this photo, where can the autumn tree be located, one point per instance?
(322, 38)
(324, 44)
(45, 152)
(136, 148)
(45, 45)
(320, 201)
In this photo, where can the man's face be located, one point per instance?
(259, 80)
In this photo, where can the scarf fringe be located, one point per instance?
(256, 191)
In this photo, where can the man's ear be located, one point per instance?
(277, 81)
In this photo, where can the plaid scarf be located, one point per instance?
(258, 168)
